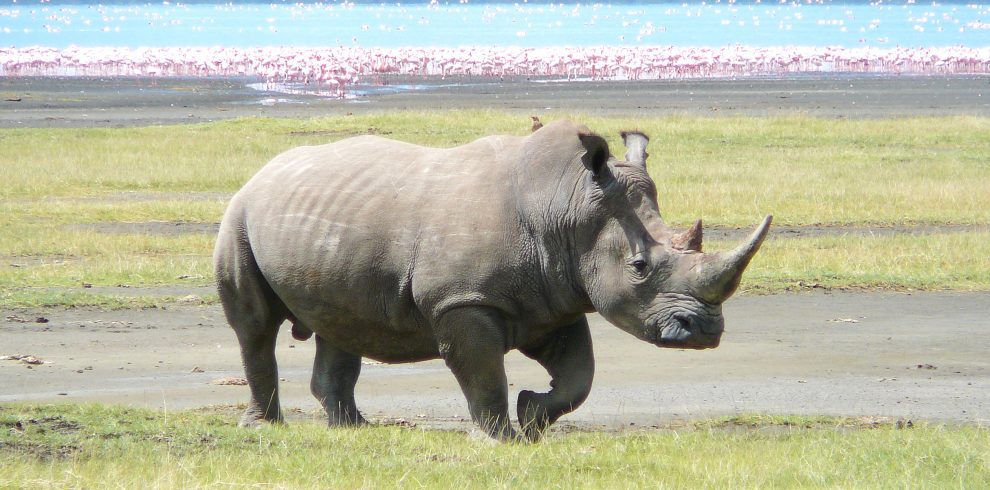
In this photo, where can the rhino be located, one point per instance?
(401, 253)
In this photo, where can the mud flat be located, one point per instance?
(914, 356)
(91, 102)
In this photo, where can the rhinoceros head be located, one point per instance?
(637, 272)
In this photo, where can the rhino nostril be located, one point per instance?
(683, 322)
(699, 325)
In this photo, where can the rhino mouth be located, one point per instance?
(688, 332)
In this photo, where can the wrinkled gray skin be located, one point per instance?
(401, 253)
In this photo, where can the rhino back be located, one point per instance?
(368, 240)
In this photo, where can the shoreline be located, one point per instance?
(40, 102)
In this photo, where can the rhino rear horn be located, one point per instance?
(719, 274)
(689, 239)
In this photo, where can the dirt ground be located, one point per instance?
(916, 356)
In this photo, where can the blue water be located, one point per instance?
(485, 23)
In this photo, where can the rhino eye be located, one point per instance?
(639, 264)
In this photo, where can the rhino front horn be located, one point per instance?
(720, 273)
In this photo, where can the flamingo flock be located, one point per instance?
(334, 69)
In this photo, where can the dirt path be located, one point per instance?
(918, 356)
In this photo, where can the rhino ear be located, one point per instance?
(596, 155)
(635, 142)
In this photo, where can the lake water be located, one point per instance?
(334, 47)
(85, 23)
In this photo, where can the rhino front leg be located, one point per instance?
(568, 357)
(472, 342)
(335, 373)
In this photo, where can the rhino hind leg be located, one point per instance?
(335, 373)
(473, 344)
(256, 335)
(569, 359)
(255, 313)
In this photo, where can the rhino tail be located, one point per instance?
(251, 305)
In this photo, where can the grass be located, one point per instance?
(91, 446)
(153, 207)
(216, 157)
(941, 261)
(727, 171)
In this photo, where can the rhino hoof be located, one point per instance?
(252, 419)
(532, 412)
(345, 420)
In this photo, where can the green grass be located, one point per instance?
(154, 207)
(205, 157)
(946, 261)
(727, 171)
(90, 446)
